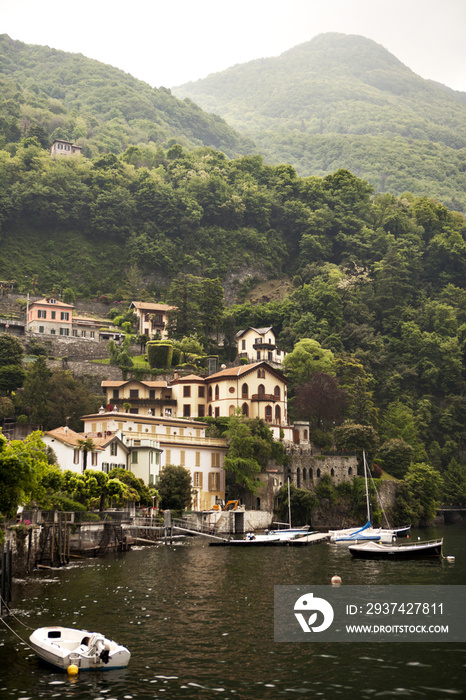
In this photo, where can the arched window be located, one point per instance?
(268, 414)
(332, 472)
(304, 475)
(304, 434)
(231, 411)
(245, 410)
(277, 393)
(210, 393)
(350, 471)
(245, 391)
(318, 473)
(217, 391)
(298, 477)
(210, 411)
(261, 389)
(311, 474)
(278, 414)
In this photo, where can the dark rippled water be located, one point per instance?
(199, 623)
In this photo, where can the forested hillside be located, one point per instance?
(343, 101)
(377, 279)
(53, 94)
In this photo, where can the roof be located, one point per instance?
(69, 437)
(151, 383)
(242, 370)
(148, 306)
(55, 303)
(259, 331)
(189, 378)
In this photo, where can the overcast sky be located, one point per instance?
(169, 42)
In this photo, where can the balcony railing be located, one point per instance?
(265, 397)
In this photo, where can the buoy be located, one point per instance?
(72, 670)
(336, 580)
(451, 559)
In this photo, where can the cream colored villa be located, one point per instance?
(152, 318)
(176, 441)
(256, 390)
(256, 344)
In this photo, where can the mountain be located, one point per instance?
(343, 101)
(97, 106)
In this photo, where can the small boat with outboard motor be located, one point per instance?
(65, 647)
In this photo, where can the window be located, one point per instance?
(64, 316)
(94, 459)
(92, 334)
(261, 390)
(278, 414)
(245, 391)
(276, 393)
(217, 412)
(42, 313)
(215, 459)
(186, 391)
(201, 411)
(168, 456)
(268, 414)
(116, 394)
(114, 449)
(83, 334)
(243, 345)
(64, 331)
(52, 332)
(214, 481)
(197, 480)
(52, 300)
(258, 355)
(134, 410)
(197, 459)
(134, 457)
(75, 332)
(93, 427)
(182, 458)
(75, 456)
(186, 410)
(201, 391)
(41, 329)
(245, 410)
(54, 313)
(134, 393)
(152, 393)
(168, 430)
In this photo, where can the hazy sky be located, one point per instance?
(169, 42)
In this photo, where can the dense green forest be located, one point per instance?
(102, 109)
(376, 293)
(343, 101)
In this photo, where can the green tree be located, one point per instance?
(302, 503)
(175, 488)
(11, 378)
(307, 357)
(395, 457)
(11, 350)
(418, 499)
(358, 438)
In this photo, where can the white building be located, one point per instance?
(256, 344)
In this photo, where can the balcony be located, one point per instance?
(264, 397)
(263, 346)
(142, 402)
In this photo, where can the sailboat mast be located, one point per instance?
(368, 505)
(289, 503)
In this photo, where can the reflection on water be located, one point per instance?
(199, 623)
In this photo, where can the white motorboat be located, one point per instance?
(66, 646)
(430, 549)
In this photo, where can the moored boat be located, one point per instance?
(65, 646)
(429, 549)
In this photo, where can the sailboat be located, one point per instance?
(367, 533)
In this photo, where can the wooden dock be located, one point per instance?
(312, 538)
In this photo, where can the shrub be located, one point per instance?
(159, 353)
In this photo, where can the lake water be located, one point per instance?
(198, 621)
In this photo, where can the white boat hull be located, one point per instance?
(65, 646)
